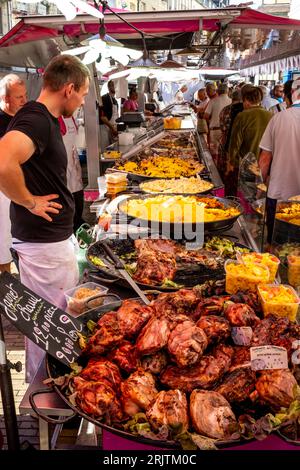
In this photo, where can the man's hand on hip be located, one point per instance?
(44, 204)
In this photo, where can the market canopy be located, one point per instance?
(36, 39)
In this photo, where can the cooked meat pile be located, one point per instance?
(159, 260)
(176, 362)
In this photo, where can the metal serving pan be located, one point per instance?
(173, 228)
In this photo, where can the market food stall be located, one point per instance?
(210, 359)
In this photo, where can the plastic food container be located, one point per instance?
(264, 259)
(281, 300)
(172, 122)
(244, 277)
(78, 296)
(294, 270)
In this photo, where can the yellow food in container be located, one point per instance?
(265, 259)
(294, 270)
(280, 300)
(191, 185)
(244, 276)
(163, 167)
(172, 122)
(179, 209)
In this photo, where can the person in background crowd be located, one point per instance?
(267, 101)
(227, 116)
(211, 91)
(131, 104)
(279, 159)
(33, 167)
(212, 115)
(13, 96)
(199, 108)
(69, 132)
(287, 103)
(179, 95)
(277, 92)
(108, 114)
(247, 130)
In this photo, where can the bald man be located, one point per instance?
(13, 96)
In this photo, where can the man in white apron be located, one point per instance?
(69, 131)
(108, 114)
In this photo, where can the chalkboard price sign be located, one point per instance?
(50, 328)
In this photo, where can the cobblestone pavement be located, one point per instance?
(27, 425)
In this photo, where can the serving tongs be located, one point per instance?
(120, 267)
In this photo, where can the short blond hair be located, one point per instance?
(64, 69)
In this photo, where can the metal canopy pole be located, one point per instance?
(8, 402)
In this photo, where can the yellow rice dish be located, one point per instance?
(177, 186)
(289, 213)
(179, 209)
(163, 167)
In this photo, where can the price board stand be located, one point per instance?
(8, 401)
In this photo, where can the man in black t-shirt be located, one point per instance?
(33, 175)
(13, 96)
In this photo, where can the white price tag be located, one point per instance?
(268, 357)
(241, 335)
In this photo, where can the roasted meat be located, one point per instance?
(132, 316)
(125, 357)
(211, 306)
(241, 315)
(155, 363)
(212, 415)
(206, 374)
(156, 261)
(182, 302)
(276, 387)
(138, 391)
(169, 408)
(277, 331)
(241, 357)
(154, 336)
(102, 369)
(215, 327)
(187, 343)
(97, 399)
(106, 336)
(238, 385)
(249, 298)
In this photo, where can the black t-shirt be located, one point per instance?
(45, 173)
(4, 122)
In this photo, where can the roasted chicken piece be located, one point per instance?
(215, 327)
(206, 374)
(155, 363)
(155, 268)
(102, 369)
(170, 409)
(212, 415)
(238, 385)
(154, 336)
(211, 306)
(132, 316)
(276, 387)
(97, 399)
(182, 302)
(107, 335)
(125, 357)
(138, 391)
(240, 315)
(187, 343)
